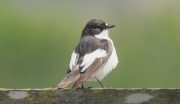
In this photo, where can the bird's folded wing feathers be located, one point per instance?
(90, 58)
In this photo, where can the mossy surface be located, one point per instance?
(89, 96)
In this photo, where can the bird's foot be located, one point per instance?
(82, 87)
(90, 87)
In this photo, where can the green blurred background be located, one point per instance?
(37, 38)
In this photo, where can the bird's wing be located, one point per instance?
(92, 62)
(94, 59)
(88, 59)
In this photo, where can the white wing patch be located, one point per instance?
(73, 59)
(89, 58)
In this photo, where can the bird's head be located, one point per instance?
(95, 27)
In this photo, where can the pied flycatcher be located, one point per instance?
(93, 58)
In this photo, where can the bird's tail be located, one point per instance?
(73, 75)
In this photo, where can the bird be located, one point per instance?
(94, 56)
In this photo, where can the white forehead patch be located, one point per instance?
(106, 24)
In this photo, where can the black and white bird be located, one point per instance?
(93, 58)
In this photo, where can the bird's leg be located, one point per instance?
(82, 86)
(100, 83)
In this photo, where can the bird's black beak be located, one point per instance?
(111, 26)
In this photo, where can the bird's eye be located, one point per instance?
(97, 28)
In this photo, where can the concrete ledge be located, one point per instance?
(90, 96)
